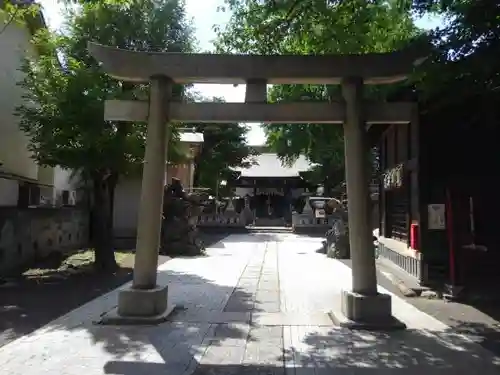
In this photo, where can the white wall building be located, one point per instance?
(21, 179)
(128, 191)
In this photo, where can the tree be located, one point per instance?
(465, 61)
(66, 90)
(314, 27)
(20, 12)
(224, 148)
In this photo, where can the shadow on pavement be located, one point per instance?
(485, 335)
(26, 305)
(483, 299)
(195, 297)
(463, 318)
(327, 351)
(196, 341)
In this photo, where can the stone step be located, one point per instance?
(268, 229)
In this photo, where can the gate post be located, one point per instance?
(145, 301)
(363, 307)
(152, 187)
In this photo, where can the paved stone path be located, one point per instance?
(256, 305)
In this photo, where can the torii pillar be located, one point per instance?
(145, 302)
(362, 307)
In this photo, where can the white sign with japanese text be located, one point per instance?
(436, 216)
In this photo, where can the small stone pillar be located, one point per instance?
(363, 307)
(247, 216)
(145, 301)
(230, 205)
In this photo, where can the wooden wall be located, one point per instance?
(399, 206)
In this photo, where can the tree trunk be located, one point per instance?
(102, 214)
(112, 181)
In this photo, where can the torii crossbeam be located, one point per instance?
(362, 307)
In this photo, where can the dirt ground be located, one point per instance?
(43, 294)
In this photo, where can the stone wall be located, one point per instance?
(27, 235)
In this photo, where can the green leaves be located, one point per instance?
(224, 147)
(17, 12)
(66, 90)
(314, 27)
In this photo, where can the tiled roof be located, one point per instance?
(269, 165)
(188, 137)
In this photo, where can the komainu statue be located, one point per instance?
(337, 238)
(179, 235)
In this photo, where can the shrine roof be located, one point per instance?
(189, 137)
(269, 165)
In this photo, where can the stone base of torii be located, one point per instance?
(146, 302)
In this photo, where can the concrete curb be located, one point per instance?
(406, 290)
(406, 284)
(403, 288)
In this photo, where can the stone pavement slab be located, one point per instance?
(255, 305)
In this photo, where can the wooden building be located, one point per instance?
(438, 201)
(267, 181)
(400, 206)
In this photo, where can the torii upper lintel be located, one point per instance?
(373, 68)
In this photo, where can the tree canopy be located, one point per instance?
(314, 27)
(224, 147)
(464, 63)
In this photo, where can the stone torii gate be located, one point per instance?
(145, 301)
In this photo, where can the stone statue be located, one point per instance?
(337, 238)
(179, 235)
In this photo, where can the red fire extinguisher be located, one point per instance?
(414, 236)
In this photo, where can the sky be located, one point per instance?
(204, 15)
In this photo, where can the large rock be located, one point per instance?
(179, 235)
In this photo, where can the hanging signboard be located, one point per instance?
(436, 216)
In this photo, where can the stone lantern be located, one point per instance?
(192, 144)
